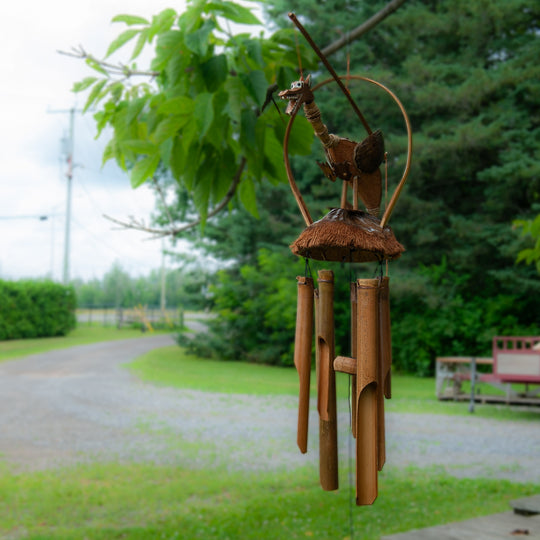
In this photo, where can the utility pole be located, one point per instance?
(69, 150)
(69, 176)
(163, 302)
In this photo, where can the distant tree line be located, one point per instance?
(184, 288)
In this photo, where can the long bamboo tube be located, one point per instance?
(302, 354)
(366, 394)
(386, 336)
(326, 382)
(354, 346)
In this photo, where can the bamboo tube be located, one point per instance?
(366, 394)
(386, 336)
(354, 345)
(345, 364)
(302, 355)
(326, 382)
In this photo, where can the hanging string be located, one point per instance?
(307, 269)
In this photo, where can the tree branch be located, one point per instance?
(174, 231)
(363, 28)
(114, 69)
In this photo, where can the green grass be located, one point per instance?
(82, 335)
(145, 501)
(173, 367)
(136, 502)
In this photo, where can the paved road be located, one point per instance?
(80, 404)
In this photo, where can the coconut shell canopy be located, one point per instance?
(347, 236)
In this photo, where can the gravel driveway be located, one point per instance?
(80, 404)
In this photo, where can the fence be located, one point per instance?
(146, 317)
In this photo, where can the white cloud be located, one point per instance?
(36, 81)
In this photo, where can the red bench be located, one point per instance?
(515, 360)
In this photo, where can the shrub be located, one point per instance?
(32, 309)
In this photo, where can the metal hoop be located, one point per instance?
(397, 192)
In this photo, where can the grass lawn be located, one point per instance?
(145, 501)
(141, 502)
(173, 367)
(82, 335)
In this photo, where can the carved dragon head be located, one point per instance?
(298, 94)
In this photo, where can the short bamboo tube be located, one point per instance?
(302, 354)
(367, 393)
(326, 381)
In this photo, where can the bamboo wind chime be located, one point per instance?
(346, 234)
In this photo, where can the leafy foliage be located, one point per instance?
(201, 116)
(33, 309)
(530, 229)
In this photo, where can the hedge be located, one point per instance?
(32, 309)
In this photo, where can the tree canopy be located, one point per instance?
(198, 111)
(468, 76)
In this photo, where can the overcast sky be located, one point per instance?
(35, 83)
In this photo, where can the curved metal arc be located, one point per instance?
(296, 192)
(399, 188)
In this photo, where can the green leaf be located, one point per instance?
(177, 159)
(301, 138)
(214, 72)
(234, 88)
(273, 151)
(177, 105)
(191, 164)
(247, 129)
(130, 19)
(168, 127)
(189, 135)
(254, 50)
(95, 65)
(169, 44)
(110, 151)
(161, 22)
(121, 40)
(84, 84)
(139, 46)
(94, 94)
(233, 12)
(198, 41)
(248, 195)
(143, 170)
(134, 109)
(256, 84)
(191, 16)
(139, 146)
(203, 187)
(204, 112)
